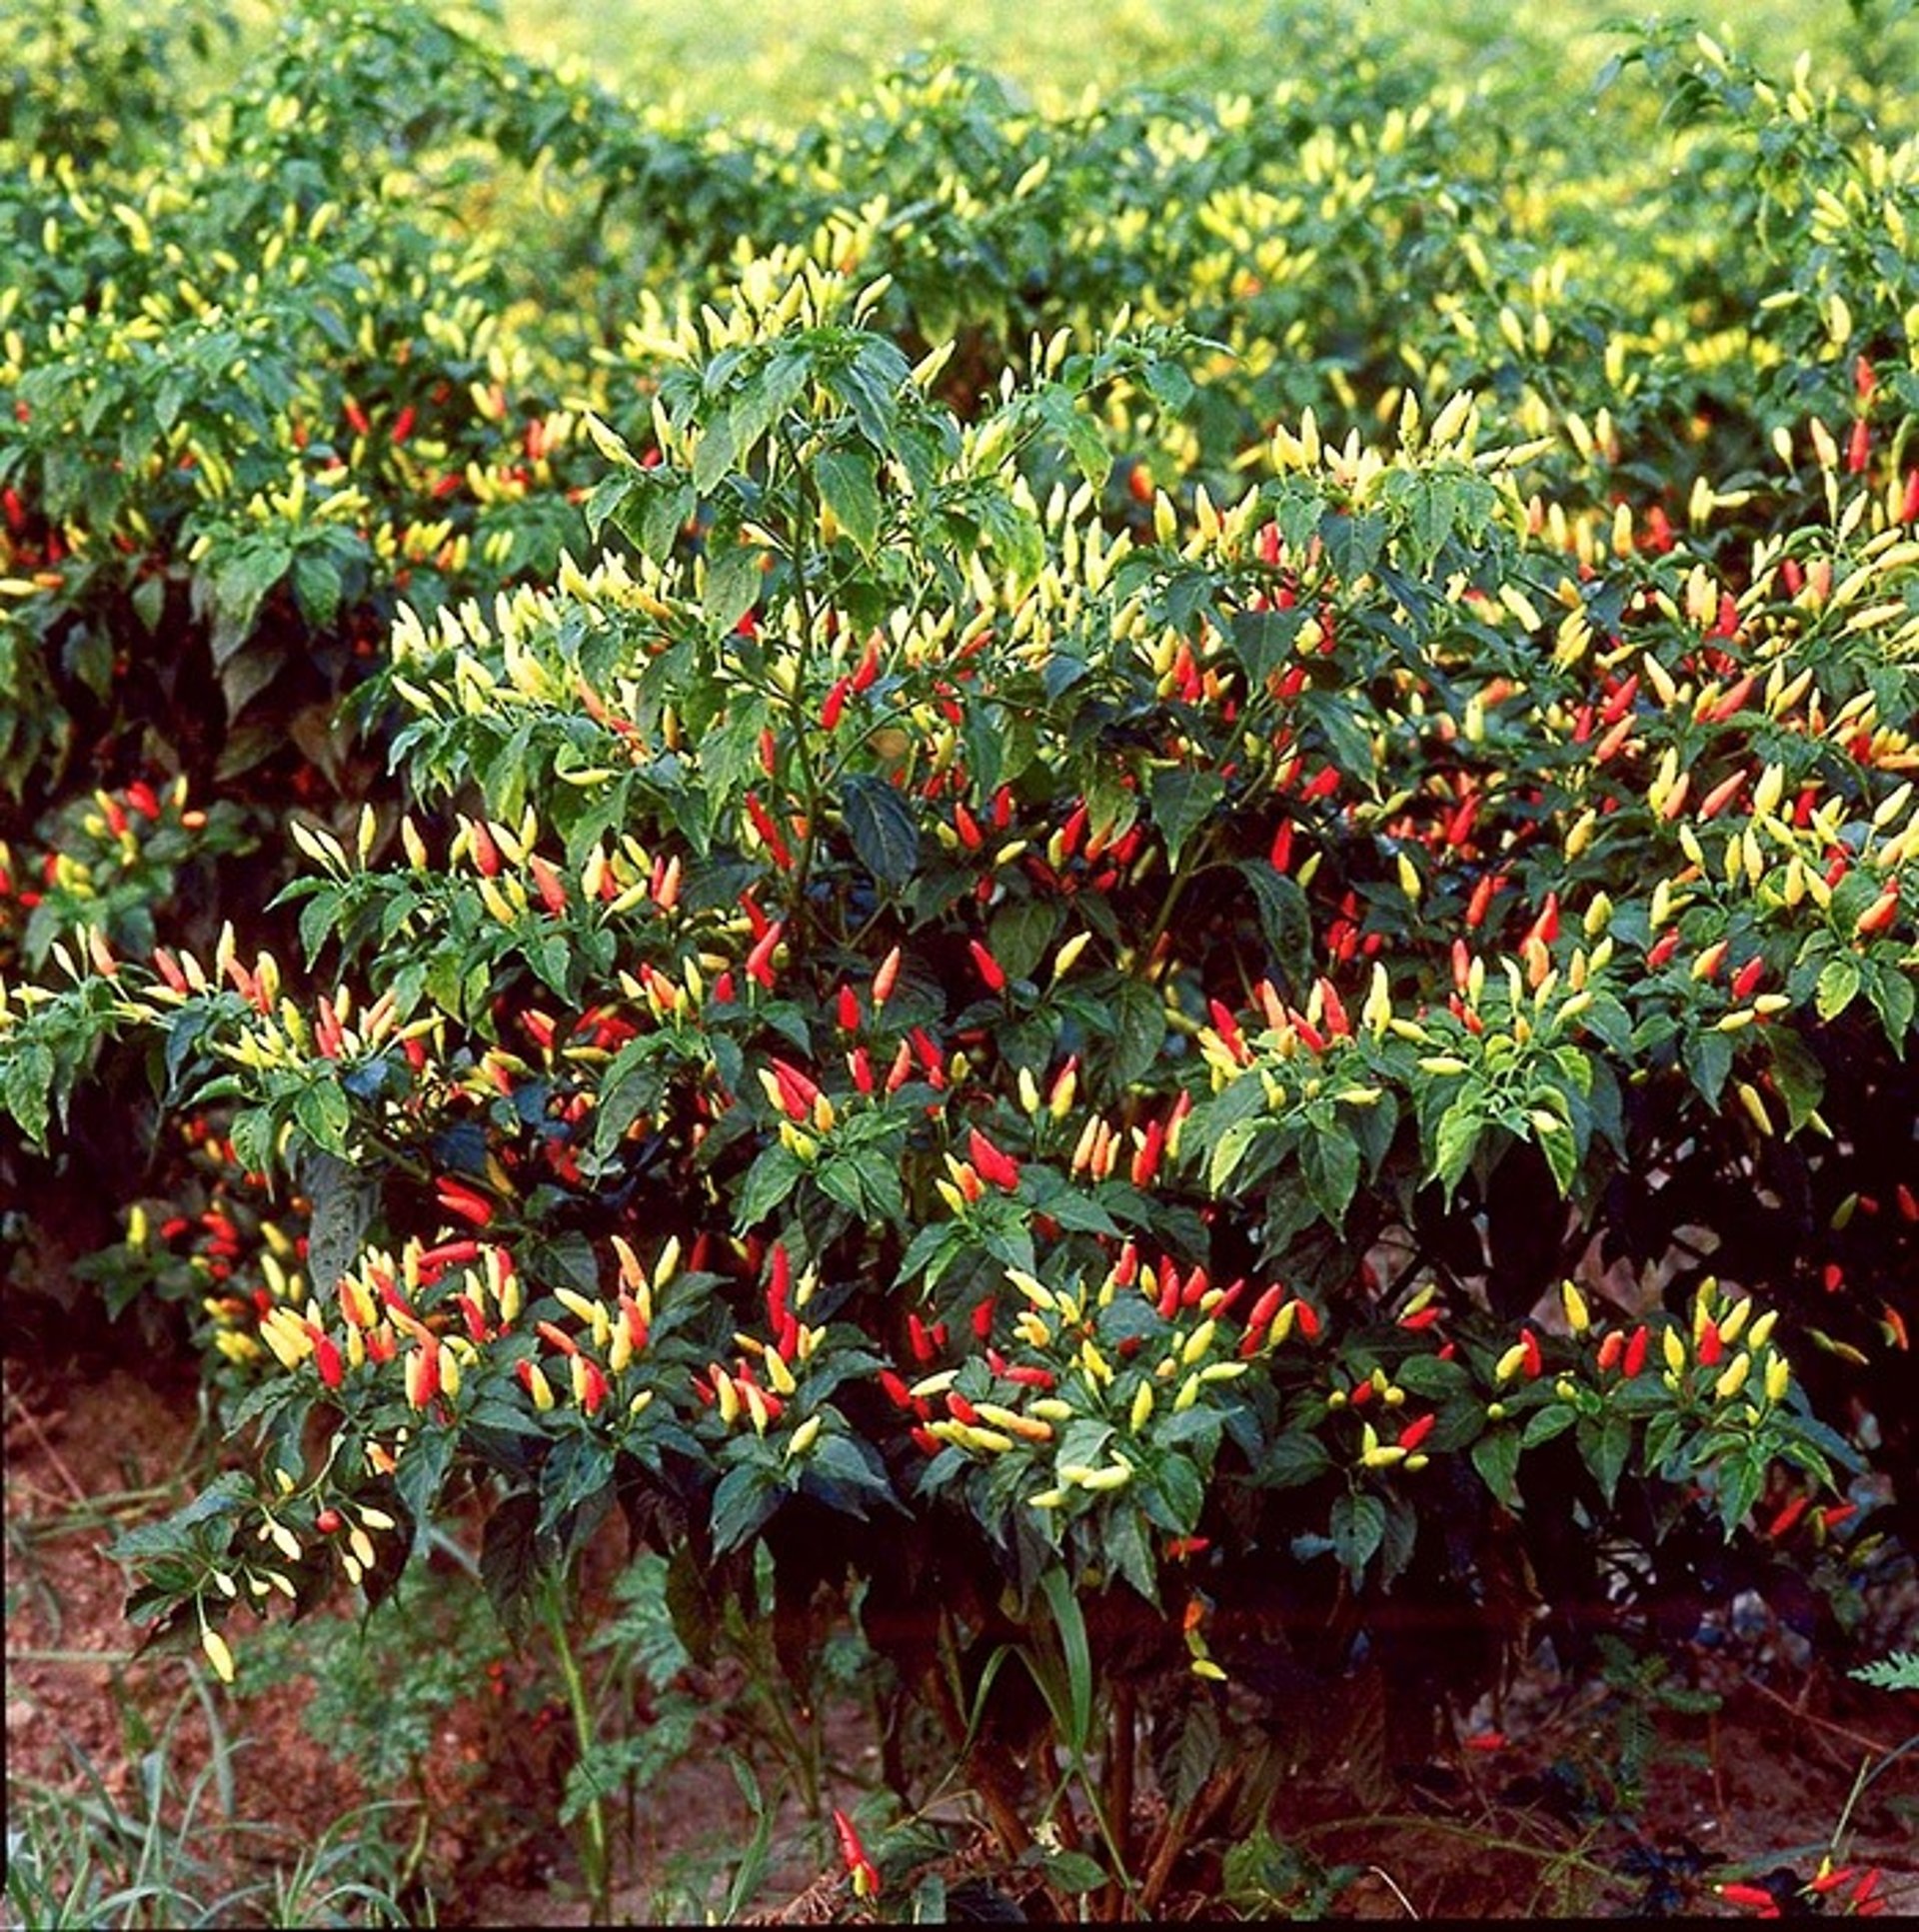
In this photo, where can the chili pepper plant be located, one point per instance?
(1136, 1023)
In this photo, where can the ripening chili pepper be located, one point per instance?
(835, 705)
(885, 974)
(1879, 914)
(760, 959)
(1745, 982)
(1481, 901)
(355, 414)
(423, 1373)
(1662, 949)
(546, 878)
(1612, 1348)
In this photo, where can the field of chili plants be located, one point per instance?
(963, 999)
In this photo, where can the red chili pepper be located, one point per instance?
(982, 1319)
(1711, 1347)
(1309, 1320)
(1738, 1894)
(1417, 1431)
(775, 840)
(1264, 1309)
(1636, 1351)
(1662, 949)
(991, 970)
(325, 1357)
(355, 414)
(996, 1167)
(467, 1203)
(1534, 1361)
(1787, 1516)
(920, 1341)
(401, 425)
(836, 703)
(546, 878)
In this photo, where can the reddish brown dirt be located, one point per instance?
(1767, 1778)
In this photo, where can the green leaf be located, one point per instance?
(1358, 1527)
(734, 578)
(1285, 922)
(747, 1497)
(345, 1199)
(1544, 1424)
(1329, 1160)
(849, 487)
(1892, 995)
(882, 826)
(1708, 1057)
(1837, 986)
(508, 1564)
(1071, 1626)
(1139, 1030)
(1022, 931)
(1457, 1137)
(324, 1115)
(1264, 638)
(1183, 800)
(1607, 1449)
(1496, 1457)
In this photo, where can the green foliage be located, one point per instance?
(1899, 1671)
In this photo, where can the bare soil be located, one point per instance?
(1763, 1781)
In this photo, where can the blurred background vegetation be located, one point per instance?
(772, 64)
(751, 60)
